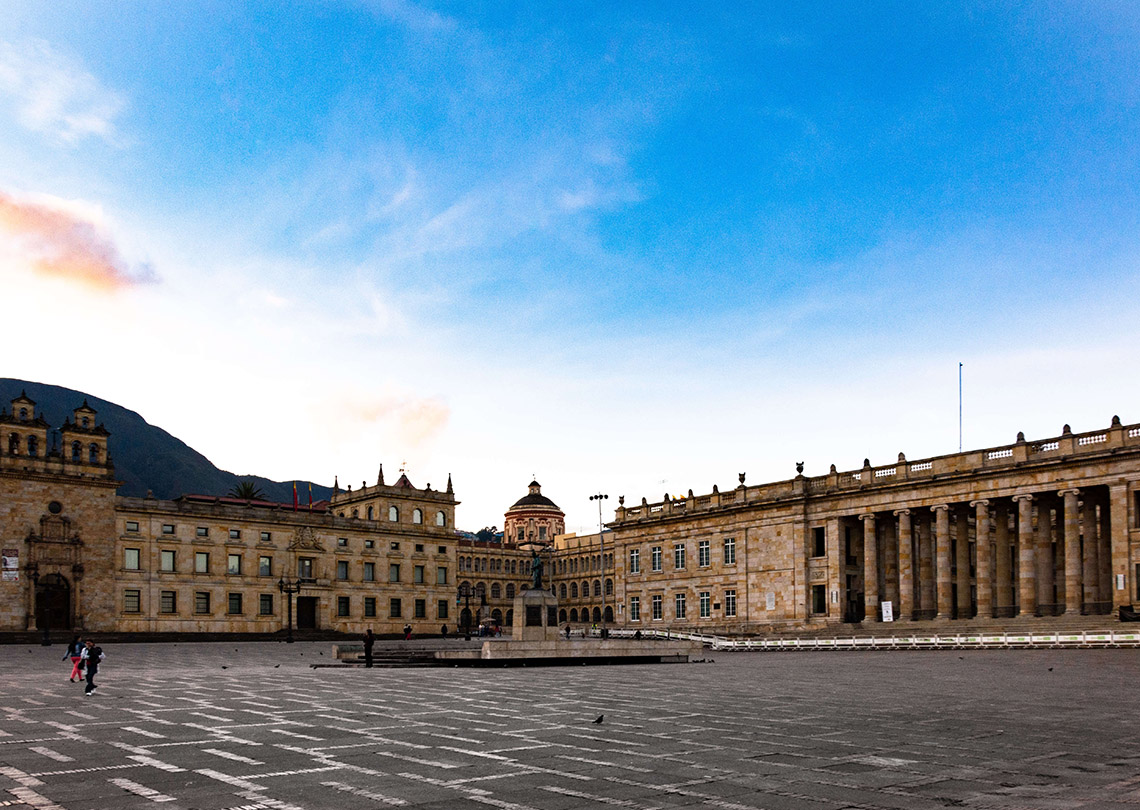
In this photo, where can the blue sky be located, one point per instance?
(632, 247)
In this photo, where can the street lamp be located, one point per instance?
(602, 546)
(465, 593)
(289, 587)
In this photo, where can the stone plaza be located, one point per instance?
(254, 725)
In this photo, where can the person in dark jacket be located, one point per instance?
(92, 655)
(369, 640)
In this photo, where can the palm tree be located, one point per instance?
(247, 491)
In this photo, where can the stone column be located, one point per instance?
(942, 551)
(1002, 575)
(1072, 554)
(925, 566)
(984, 560)
(1044, 555)
(906, 576)
(962, 559)
(890, 564)
(1107, 585)
(1027, 570)
(870, 569)
(1089, 542)
(1118, 539)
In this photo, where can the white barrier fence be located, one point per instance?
(947, 641)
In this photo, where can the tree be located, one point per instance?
(247, 491)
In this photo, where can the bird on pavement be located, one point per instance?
(600, 717)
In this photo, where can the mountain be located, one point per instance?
(147, 457)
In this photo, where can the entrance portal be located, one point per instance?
(306, 613)
(53, 603)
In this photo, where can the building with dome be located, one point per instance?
(534, 518)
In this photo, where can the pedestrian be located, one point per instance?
(369, 640)
(567, 632)
(92, 655)
(407, 632)
(75, 653)
(443, 631)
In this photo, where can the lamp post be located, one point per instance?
(289, 587)
(602, 546)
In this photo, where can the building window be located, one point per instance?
(420, 609)
(394, 572)
(166, 560)
(201, 602)
(442, 550)
(511, 590)
(418, 575)
(132, 601)
(234, 605)
(233, 563)
(235, 534)
(342, 542)
(818, 542)
(267, 537)
(679, 557)
(730, 603)
(656, 603)
(417, 516)
(342, 569)
(635, 608)
(168, 602)
(597, 587)
(201, 562)
(496, 590)
(440, 519)
(342, 606)
(370, 513)
(133, 526)
(703, 553)
(131, 559)
(441, 575)
(394, 546)
(541, 532)
(370, 607)
(370, 544)
(635, 561)
(441, 612)
(168, 528)
(265, 566)
(265, 604)
(202, 531)
(393, 514)
(730, 551)
(573, 590)
(819, 599)
(394, 608)
(370, 572)
(655, 557)
(706, 604)
(305, 568)
(679, 605)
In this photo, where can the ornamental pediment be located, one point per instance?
(306, 538)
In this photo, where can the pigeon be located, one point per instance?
(600, 716)
(224, 666)
(275, 666)
(1050, 669)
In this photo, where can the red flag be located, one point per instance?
(294, 496)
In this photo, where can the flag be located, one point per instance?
(310, 496)
(294, 496)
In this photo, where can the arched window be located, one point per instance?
(597, 614)
(76, 451)
(513, 571)
(23, 414)
(440, 518)
(370, 513)
(585, 589)
(562, 591)
(417, 516)
(393, 514)
(33, 446)
(497, 616)
(481, 591)
(511, 616)
(14, 445)
(597, 587)
(573, 614)
(496, 591)
(609, 587)
(86, 422)
(562, 616)
(510, 590)
(355, 513)
(609, 613)
(93, 453)
(573, 590)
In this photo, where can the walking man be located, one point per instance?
(92, 655)
(369, 640)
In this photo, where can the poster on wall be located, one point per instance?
(888, 612)
(10, 565)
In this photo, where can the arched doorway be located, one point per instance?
(497, 616)
(465, 618)
(573, 614)
(53, 603)
(597, 614)
(609, 613)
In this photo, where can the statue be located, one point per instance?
(536, 570)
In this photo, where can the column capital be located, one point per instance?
(1070, 491)
(938, 506)
(980, 502)
(1022, 497)
(869, 516)
(900, 512)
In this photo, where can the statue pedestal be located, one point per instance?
(535, 616)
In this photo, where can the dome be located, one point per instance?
(535, 498)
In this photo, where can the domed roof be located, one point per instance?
(535, 498)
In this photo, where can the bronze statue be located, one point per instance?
(536, 570)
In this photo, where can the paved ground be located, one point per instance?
(253, 726)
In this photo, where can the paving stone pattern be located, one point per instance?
(253, 726)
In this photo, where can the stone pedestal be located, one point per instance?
(535, 616)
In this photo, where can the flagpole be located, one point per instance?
(959, 407)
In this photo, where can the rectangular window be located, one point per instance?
(266, 537)
(201, 602)
(168, 528)
(370, 607)
(342, 569)
(201, 562)
(394, 608)
(265, 566)
(370, 544)
(819, 599)
(420, 608)
(419, 548)
(305, 568)
(131, 559)
(418, 575)
(235, 534)
(370, 572)
(441, 575)
(730, 603)
(394, 546)
(703, 554)
(730, 551)
(635, 561)
(541, 532)
(265, 604)
(166, 560)
(394, 572)
(233, 563)
(133, 526)
(655, 557)
(342, 606)
(679, 605)
(168, 602)
(656, 602)
(635, 608)
(442, 549)
(233, 606)
(132, 601)
(818, 542)
(706, 604)
(202, 531)
(679, 557)
(441, 612)
(342, 542)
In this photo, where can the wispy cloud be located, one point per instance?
(416, 421)
(412, 16)
(59, 243)
(54, 94)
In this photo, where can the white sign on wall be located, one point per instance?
(888, 612)
(10, 565)
(770, 601)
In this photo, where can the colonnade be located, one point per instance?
(1042, 553)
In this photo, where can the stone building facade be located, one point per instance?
(1043, 528)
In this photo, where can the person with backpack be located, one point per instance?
(75, 653)
(92, 655)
